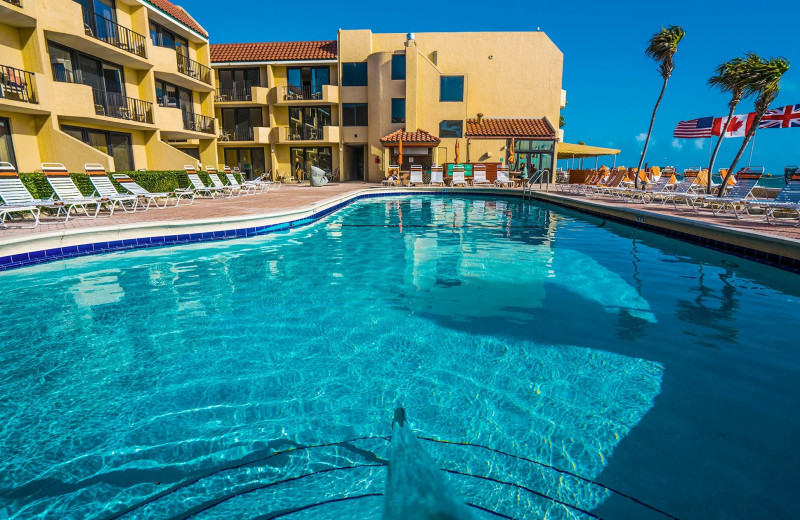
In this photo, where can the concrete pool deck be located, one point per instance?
(212, 219)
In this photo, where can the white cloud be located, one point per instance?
(641, 137)
(677, 144)
(699, 143)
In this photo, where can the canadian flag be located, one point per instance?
(738, 126)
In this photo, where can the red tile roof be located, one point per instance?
(273, 51)
(410, 138)
(177, 13)
(507, 127)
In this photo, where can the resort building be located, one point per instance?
(348, 104)
(123, 83)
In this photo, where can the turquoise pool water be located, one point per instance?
(193, 381)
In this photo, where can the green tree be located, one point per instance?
(765, 84)
(732, 77)
(662, 48)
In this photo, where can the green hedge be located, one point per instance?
(155, 181)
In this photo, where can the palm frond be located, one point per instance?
(662, 47)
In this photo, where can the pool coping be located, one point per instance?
(58, 245)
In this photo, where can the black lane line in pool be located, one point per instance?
(450, 226)
(559, 470)
(525, 488)
(193, 480)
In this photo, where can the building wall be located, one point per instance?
(36, 127)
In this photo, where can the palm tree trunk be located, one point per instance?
(747, 137)
(716, 148)
(649, 131)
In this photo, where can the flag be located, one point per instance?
(738, 126)
(783, 117)
(696, 128)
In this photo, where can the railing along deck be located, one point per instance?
(116, 105)
(193, 69)
(112, 33)
(198, 123)
(18, 85)
(294, 93)
(237, 134)
(18, 3)
(234, 94)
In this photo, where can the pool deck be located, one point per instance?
(210, 219)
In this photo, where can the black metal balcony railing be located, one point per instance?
(198, 123)
(18, 85)
(234, 94)
(307, 133)
(18, 3)
(116, 105)
(193, 69)
(237, 134)
(114, 34)
(294, 93)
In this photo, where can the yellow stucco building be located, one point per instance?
(346, 104)
(123, 83)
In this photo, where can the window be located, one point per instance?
(451, 88)
(172, 96)
(6, 145)
(398, 110)
(307, 123)
(71, 66)
(115, 144)
(320, 157)
(249, 160)
(236, 84)
(238, 123)
(451, 129)
(398, 66)
(354, 74)
(354, 114)
(308, 81)
(162, 37)
(194, 152)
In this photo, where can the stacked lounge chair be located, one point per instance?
(197, 185)
(215, 180)
(69, 196)
(479, 175)
(16, 197)
(786, 202)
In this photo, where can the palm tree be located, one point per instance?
(732, 76)
(765, 82)
(662, 48)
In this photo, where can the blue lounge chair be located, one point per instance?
(787, 201)
(737, 196)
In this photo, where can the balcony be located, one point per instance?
(75, 27)
(112, 104)
(308, 135)
(13, 13)
(307, 95)
(247, 95)
(18, 91)
(175, 124)
(180, 70)
(254, 134)
(113, 34)
(199, 123)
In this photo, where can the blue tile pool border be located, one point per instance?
(19, 260)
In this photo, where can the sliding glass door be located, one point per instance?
(6, 145)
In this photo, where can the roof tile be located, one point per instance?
(418, 137)
(509, 127)
(273, 51)
(177, 13)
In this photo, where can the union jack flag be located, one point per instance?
(783, 117)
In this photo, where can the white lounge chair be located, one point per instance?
(503, 180)
(479, 175)
(392, 170)
(152, 198)
(416, 175)
(67, 192)
(197, 185)
(437, 176)
(215, 180)
(16, 197)
(103, 187)
(458, 176)
(244, 189)
(787, 202)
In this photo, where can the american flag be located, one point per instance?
(783, 117)
(694, 129)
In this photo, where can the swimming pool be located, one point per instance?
(210, 381)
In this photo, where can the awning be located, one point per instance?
(580, 151)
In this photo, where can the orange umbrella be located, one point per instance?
(511, 153)
(458, 151)
(400, 153)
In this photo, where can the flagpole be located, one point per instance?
(752, 147)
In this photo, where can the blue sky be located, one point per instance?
(611, 86)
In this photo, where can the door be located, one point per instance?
(6, 145)
(121, 151)
(356, 172)
(187, 108)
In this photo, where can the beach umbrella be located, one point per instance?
(458, 151)
(511, 153)
(400, 153)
